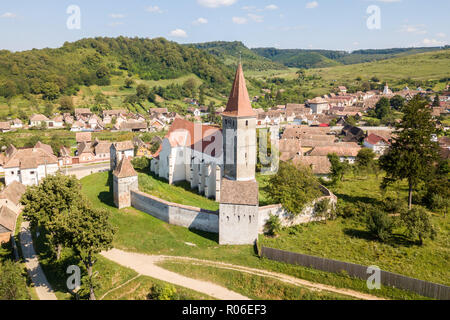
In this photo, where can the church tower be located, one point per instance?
(239, 201)
(239, 133)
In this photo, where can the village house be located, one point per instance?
(83, 112)
(320, 165)
(344, 152)
(353, 134)
(5, 126)
(17, 124)
(156, 125)
(38, 120)
(57, 122)
(8, 220)
(29, 166)
(378, 144)
(119, 150)
(10, 196)
(132, 125)
(319, 105)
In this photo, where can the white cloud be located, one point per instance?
(432, 42)
(249, 8)
(418, 29)
(256, 18)
(200, 21)
(115, 24)
(272, 7)
(8, 15)
(154, 9)
(239, 20)
(312, 5)
(178, 33)
(441, 35)
(389, 1)
(117, 15)
(216, 3)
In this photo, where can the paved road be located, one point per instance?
(81, 171)
(146, 265)
(43, 288)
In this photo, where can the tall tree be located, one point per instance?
(45, 204)
(338, 168)
(413, 152)
(88, 232)
(382, 108)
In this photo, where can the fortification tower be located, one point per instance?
(238, 217)
(125, 179)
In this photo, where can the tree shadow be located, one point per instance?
(356, 199)
(396, 239)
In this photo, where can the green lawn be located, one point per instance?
(252, 286)
(348, 240)
(180, 193)
(140, 232)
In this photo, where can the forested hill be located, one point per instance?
(230, 52)
(301, 58)
(95, 60)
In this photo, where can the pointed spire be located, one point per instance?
(125, 169)
(239, 102)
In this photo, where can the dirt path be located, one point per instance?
(140, 261)
(43, 288)
(146, 265)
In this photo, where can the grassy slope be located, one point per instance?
(252, 286)
(139, 232)
(424, 66)
(180, 193)
(348, 239)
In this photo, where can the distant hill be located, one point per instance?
(302, 58)
(229, 53)
(94, 61)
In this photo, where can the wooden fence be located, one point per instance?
(424, 288)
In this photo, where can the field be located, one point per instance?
(252, 286)
(348, 240)
(180, 193)
(139, 232)
(424, 66)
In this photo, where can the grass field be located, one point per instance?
(348, 239)
(252, 286)
(140, 232)
(424, 66)
(180, 193)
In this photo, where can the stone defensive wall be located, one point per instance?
(287, 219)
(176, 214)
(205, 220)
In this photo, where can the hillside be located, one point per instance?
(54, 72)
(229, 53)
(300, 58)
(423, 67)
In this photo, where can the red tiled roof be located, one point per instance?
(374, 139)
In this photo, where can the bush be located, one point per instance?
(12, 282)
(162, 292)
(379, 224)
(324, 209)
(393, 204)
(141, 164)
(272, 226)
(347, 210)
(418, 224)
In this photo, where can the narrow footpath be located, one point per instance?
(43, 288)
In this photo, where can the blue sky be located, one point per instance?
(317, 24)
